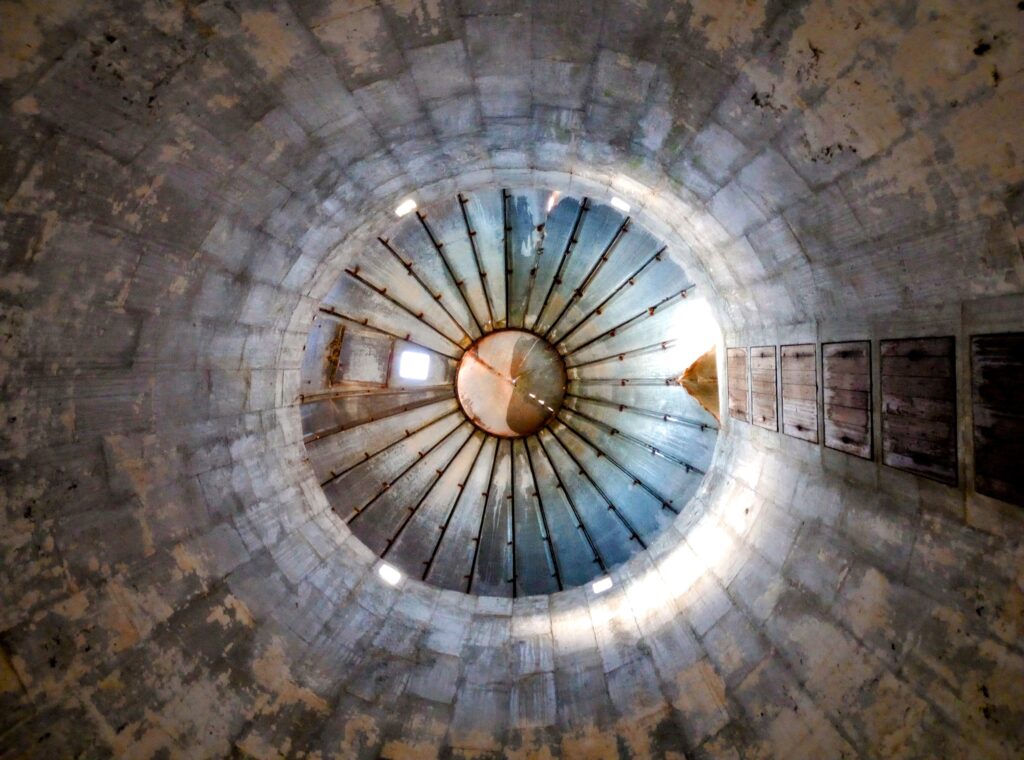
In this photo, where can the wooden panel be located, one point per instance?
(800, 391)
(997, 377)
(846, 383)
(738, 387)
(919, 407)
(764, 388)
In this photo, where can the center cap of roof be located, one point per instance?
(510, 383)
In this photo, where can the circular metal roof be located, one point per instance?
(492, 397)
(510, 383)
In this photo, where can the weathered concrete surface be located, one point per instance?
(175, 180)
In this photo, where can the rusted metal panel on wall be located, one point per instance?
(764, 388)
(364, 357)
(321, 354)
(846, 382)
(919, 407)
(736, 359)
(997, 377)
(800, 391)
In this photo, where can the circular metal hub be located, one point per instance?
(510, 383)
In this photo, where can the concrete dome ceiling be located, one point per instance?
(183, 185)
(471, 473)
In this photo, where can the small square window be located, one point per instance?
(413, 365)
(388, 573)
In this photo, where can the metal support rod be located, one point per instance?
(420, 456)
(637, 441)
(599, 309)
(429, 562)
(634, 534)
(572, 506)
(438, 474)
(548, 543)
(636, 382)
(436, 297)
(360, 392)
(512, 513)
(650, 348)
(644, 412)
(366, 323)
(383, 292)
(574, 237)
(367, 420)
(507, 228)
(578, 292)
(387, 367)
(334, 358)
(367, 456)
(627, 323)
(481, 272)
(460, 285)
(483, 516)
(665, 503)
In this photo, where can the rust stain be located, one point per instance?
(272, 672)
(591, 742)
(275, 44)
(701, 382)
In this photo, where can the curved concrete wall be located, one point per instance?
(176, 181)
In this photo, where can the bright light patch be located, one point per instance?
(552, 200)
(694, 331)
(413, 365)
(620, 204)
(389, 574)
(405, 207)
(601, 585)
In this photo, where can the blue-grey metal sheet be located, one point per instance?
(447, 501)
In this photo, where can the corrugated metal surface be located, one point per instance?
(451, 504)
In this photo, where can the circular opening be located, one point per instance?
(510, 383)
(512, 394)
